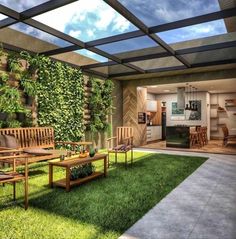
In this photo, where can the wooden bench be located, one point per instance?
(38, 137)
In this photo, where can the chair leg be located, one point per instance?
(14, 191)
(108, 160)
(26, 186)
(125, 159)
(116, 157)
(132, 156)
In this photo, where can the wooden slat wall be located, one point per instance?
(32, 137)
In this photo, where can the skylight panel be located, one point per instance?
(2, 16)
(92, 55)
(24, 28)
(128, 45)
(194, 32)
(22, 5)
(157, 12)
(86, 20)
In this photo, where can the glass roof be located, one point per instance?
(21, 5)
(24, 28)
(194, 32)
(128, 45)
(158, 63)
(157, 12)
(207, 41)
(92, 55)
(87, 20)
(117, 69)
(211, 56)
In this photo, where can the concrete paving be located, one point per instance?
(202, 206)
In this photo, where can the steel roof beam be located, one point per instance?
(44, 7)
(201, 64)
(139, 24)
(211, 47)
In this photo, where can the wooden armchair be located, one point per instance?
(227, 136)
(13, 176)
(121, 143)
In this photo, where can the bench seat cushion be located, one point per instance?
(37, 151)
(11, 141)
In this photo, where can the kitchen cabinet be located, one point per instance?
(152, 105)
(153, 133)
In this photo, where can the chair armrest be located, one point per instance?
(109, 139)
(129, 140)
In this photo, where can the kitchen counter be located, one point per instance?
(153, 125)
(178, 136)
(153, 132)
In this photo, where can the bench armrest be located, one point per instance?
(19, 156)
(10, 150)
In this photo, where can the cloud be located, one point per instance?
(94, 19)
(21, 5)
(158, 12)
(75, 34)
(92, 55)
(2, 17)
(194, 32)
(39, 34)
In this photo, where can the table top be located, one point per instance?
(76, 160)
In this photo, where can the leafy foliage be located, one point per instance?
(60, 96)
(100, 104)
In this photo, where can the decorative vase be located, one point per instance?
(91, 152)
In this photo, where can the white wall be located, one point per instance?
(227, 117)
(169, 98)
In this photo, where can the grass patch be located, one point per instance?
(103, 208)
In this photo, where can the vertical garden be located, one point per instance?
(36, 90)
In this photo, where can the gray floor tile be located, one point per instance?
(202, 206)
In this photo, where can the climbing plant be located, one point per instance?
(100, 104)
(60, 96)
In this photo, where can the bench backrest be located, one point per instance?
(32, 137)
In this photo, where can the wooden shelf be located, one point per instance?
(221, 110)
(230, 100)
(231, 105)
(216, 117)
(62, 182)
(220, 124)
(214, 105)
(214, 130)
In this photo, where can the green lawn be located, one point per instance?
(103, 208)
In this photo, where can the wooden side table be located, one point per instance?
(66, 182)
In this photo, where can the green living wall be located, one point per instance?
(60, 97)
(59, 93)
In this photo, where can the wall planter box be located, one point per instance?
(20, 117)
(3, 116)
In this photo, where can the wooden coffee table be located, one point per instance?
(67, 183)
